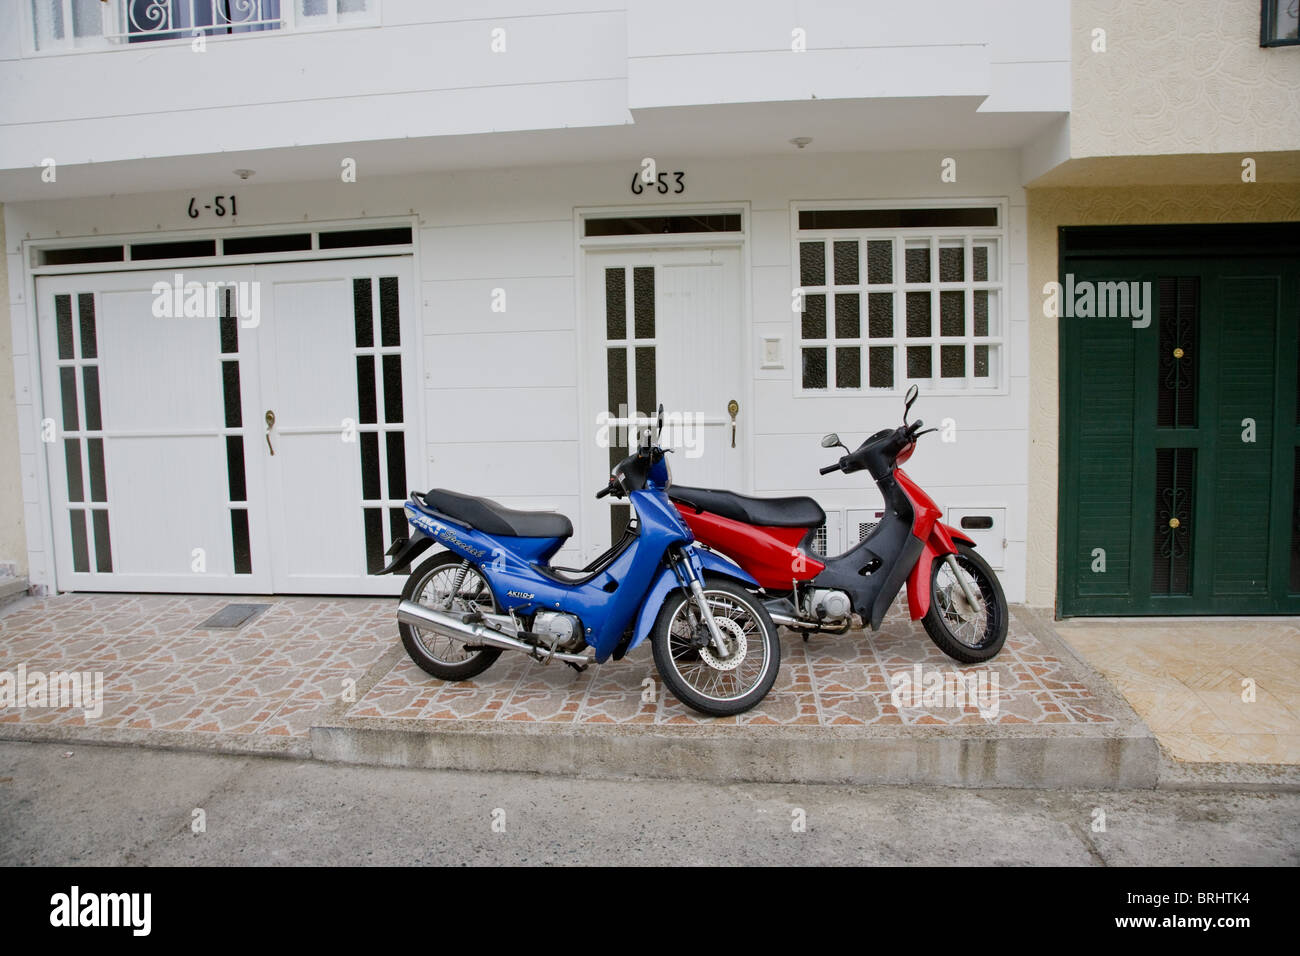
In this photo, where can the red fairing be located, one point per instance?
(771, 555)
(939, 540)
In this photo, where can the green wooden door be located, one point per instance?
(1179, 439)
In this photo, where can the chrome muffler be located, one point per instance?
(450, 625)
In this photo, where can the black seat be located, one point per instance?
(772, 512)
(491, 518)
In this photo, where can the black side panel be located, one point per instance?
(894, 582)
(873, 571)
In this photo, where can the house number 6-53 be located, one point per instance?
(660, 184)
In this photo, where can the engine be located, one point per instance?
(562, 630)
(831, 607)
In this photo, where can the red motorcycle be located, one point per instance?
(950, 588)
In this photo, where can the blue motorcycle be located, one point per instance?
(493, 589)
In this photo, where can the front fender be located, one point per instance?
(704, 562)
(941, 542)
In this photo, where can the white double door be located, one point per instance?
(663, 325)
(247, 429)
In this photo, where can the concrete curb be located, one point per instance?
(240, 744)
(1177, 774)
(932, 756)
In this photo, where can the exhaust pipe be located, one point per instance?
(795, 623)
(450, 625)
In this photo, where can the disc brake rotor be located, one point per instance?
(734, 637)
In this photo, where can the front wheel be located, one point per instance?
(965, 633)
(717, 683)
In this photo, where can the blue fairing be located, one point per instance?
(705, 562)
(631, 587)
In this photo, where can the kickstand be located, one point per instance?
(578, 667)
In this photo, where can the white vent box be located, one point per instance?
(987, 527)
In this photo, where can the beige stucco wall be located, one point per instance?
(13, 543)
(1053, 207)
(1179, 77)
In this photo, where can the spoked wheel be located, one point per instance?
(446, 583)
(964, 632)
(699, 675)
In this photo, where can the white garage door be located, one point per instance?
(251, 433)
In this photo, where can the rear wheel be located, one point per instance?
(963, 632)
(446, 583)
(692, 667)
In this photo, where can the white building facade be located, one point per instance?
(267, 274)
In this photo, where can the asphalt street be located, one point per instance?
(87, 805)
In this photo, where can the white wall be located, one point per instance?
(498, 385)
(682, 52)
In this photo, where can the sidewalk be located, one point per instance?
(1220, 694)
(328, 678)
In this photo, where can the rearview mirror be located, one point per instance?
(907, 402)
(831, 440)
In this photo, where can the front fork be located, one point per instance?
(685, 572)
(966, 589)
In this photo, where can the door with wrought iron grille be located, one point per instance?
(1180, 435)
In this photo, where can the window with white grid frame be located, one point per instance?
(883, 308)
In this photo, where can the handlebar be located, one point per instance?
(908, 434)
(607, 490)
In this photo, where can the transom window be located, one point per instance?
(73, 24)
(885, 307)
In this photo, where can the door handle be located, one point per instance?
(733, 409)
(270, 423)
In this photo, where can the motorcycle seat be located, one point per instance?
(487, 516)
(769, 512)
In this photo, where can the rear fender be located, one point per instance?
(406, 550)
(705, 563)
(942, 541)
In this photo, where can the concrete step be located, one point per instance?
(1115, 756)
(12, 589)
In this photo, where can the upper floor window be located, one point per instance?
(76, 24)
(895, 296)
(1279, 22)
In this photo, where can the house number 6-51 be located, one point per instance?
(217, 205)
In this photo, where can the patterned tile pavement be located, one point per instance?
(295, 665)
(284, 671)
(826, 682)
